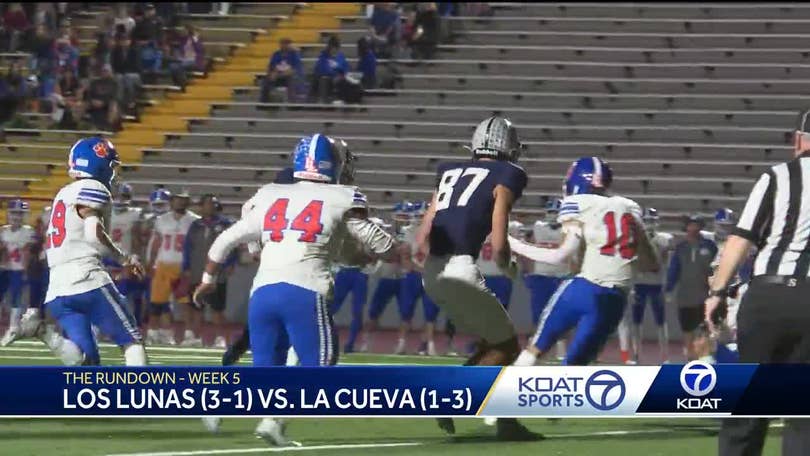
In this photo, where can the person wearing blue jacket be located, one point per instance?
(330, 69)
(688, 275)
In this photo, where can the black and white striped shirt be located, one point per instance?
(777, 219)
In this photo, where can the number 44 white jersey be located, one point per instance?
(75, 262)
(14, 243)
(609, 224)
(302, 228)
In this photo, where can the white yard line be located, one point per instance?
(348, 446)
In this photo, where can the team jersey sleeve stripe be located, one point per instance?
(99, 195)
(755, 218)
(94, 190)
(93, 198)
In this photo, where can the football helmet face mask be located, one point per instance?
(496, 138)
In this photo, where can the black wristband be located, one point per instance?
(718, 293)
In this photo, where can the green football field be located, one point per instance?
(341, 436)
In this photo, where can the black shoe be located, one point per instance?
(232, 355)
(447, 425)
(510, 430)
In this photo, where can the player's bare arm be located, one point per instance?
(504, 198)
(154, 248)
(423, 234)
(95, 231)
(569, 250)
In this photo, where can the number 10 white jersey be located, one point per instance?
(609, 227)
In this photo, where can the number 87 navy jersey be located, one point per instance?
(465, 197)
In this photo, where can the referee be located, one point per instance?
(773, 323)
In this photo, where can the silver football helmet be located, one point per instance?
(496, 137)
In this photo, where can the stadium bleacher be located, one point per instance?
(670, 94)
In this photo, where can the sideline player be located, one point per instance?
(165, 262)
(649, 288)
(81, 293)
(611, 229)
(302, 227)
(411, 287)
(16, 240)
(473, 199)
(389, 274)
(545, 278)
(125, 231)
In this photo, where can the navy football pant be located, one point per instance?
(354, 281)
(653, 294)
(411, 290)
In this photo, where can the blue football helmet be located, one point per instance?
(552, 208)
(93, 158)
(724, 221)
(159, 201)
(319, 158)
(403, 211)
(650, 218)
(587, 175)
(17, 208)
(123, 198)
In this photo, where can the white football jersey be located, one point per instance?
(121, 225)
(608, 223)
(14, 244)
(549, 236)
(75, 263)
(663, 243)
(172, 232)
(408, 237)
(302, 228)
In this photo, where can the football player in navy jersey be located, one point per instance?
(473, 199)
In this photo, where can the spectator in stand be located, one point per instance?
(103, 105)
(386, 27)
(102, 53)
(45, 15)
(123, 18)
(68, 101)
(283, 71)
(149, 29)
(427, 27)
(366, 64)
(16, 24)
(189, 56)
(67, 55)
(148, 37)
(126, 65)
(12, 92)
(330, 68)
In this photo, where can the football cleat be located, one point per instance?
(271, 430)
(212, 423)
(510, 430)
(219, 342)
(31, 325)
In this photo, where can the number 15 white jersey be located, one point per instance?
(75, 262)
(609, 230)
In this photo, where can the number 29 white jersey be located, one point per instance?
(75, 263)
(608, 227)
